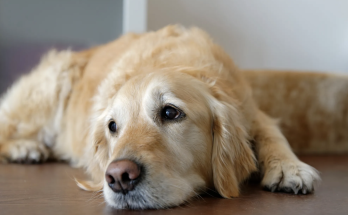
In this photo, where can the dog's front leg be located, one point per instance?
(281, 169)
(30, 109)
(19, 131)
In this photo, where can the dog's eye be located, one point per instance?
(170, 113)
(112, 126)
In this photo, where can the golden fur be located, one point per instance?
(312, 108)
(61, 109)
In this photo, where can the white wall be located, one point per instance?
(276, 34)
(134, 16)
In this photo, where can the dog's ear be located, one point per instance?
(97, 151)
(232, 157)
(96, 157)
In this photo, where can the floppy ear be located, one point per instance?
(96, 152)
(232, 157)
(95, 159)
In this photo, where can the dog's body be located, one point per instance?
(312, 107)
(172, 105)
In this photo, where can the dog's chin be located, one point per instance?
(137, 200)
(147, 196)
(133, 200)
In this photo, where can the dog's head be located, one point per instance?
(163, 133)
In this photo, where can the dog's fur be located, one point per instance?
(312, 107)
(62, 109)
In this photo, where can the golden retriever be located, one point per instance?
(155, 119)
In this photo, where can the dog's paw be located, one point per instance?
(290, 176)
(23, 151)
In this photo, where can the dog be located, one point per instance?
(154, 118)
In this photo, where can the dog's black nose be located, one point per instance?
(122, 176)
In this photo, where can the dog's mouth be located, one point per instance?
(137, 199)
(131, 200)
(128, 185)
(150, 194)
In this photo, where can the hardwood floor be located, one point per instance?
(50, 189)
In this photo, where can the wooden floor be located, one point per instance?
(50, 189)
